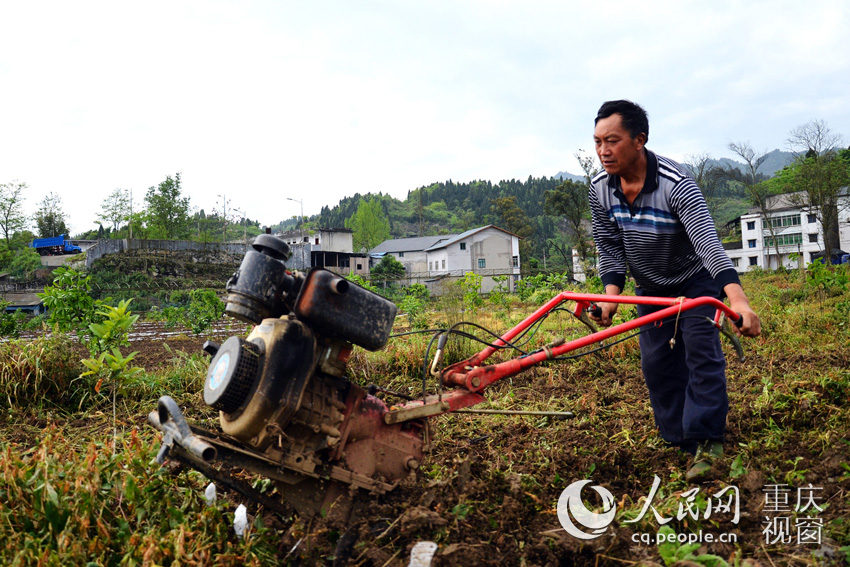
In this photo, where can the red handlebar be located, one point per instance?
(471, 376)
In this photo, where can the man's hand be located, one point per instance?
(607, 310)
(739, 303)
(606, 313)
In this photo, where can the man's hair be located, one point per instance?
(634, 117)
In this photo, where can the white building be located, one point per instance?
(329, 248)
(488, 251)
(409, 251)
(798, 232)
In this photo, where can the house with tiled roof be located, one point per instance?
(487, 250)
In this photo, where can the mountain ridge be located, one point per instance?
(773, 162)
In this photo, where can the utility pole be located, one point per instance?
(300, 229)
(131, 213)
(241, 213)
(224, 200)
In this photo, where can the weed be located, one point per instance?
(737, 468)
(38, 371)
(671, 549)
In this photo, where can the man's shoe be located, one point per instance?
(707, 453)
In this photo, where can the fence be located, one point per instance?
(105, 247)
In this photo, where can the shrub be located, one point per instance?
(414, 302)
(70, 306)
(204, 308)
(11, 323)
(499, 296)
(471, 286)
(830, 280)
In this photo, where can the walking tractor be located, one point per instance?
(288, 412)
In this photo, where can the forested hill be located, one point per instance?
(447, 206)
(452, 207)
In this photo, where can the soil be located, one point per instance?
(488, 489)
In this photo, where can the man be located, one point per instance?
(650, 218)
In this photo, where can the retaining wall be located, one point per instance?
(105, 247)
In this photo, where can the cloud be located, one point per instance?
(316, 101)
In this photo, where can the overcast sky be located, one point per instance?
(314, 101)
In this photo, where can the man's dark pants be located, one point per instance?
(687, 384)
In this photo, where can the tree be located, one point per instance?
(12, 217)
(818, 175)
(50, 219)
(167, 209)
(369, 224)
(388, 270)
(759, 192)
(24, 262)
(588, 165)
(819, 179)
(569, 200)
(115, 208)
(814, 136)
(513, 219)
(709, 178)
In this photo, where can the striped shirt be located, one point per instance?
(664, 238)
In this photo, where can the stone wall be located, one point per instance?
(105, 247)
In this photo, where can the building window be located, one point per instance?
(515, 261)
(482, 263)
(735, 262)
(754, 260)
(463, 245)
(317, 240)
(359, 266)
(813, 237)
(444, 264)
(785, 220)
(401, 254)
(812, 218)
(751, 225)
(751, 243)
(784, 239)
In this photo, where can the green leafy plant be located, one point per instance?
(107, 363)
(196, 309)
(830, 280)
(471, 286)
(414, 302)
(672, 551)
(113, 331)
(11, 323)
(499, 296)
(540, 286)
(69, 303)
(356, 278)
(204, 308)
(737, 468)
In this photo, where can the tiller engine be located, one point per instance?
(288, 412)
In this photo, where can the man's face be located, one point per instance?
(617, 150)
